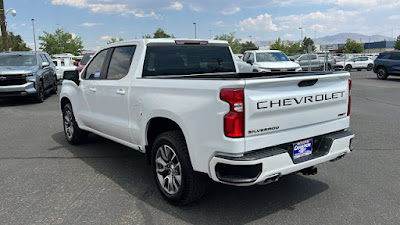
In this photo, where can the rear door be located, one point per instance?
(290, 104)
(394, 61)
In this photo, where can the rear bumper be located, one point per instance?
(258, 166)
(17, 90)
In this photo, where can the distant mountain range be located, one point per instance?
(337, 39)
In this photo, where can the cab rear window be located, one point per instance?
(186, 60)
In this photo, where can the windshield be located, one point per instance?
(271, 57)
(86, 59)
(186, 60)
(17, 60)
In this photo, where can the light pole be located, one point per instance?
(195, 35)
(33, 28)
(301, 28)
(210, 34)
(3, 22)
(251, 38)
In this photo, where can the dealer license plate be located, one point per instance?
(302, 148)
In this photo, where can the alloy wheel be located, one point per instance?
(168, 169)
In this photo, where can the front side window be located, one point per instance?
(93, 71)
(313, 57)
(86, 59)
(120, 62)
(187, 59)
(18, 60)
(251, 57)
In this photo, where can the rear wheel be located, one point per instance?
(348, 68)
(381, 73)
(172, 170)
(73, 133)
(370, 67)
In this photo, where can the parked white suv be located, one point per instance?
(183, 104)
(269, 61)
(357, 63)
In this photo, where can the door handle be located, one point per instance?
(121, 92)
(92, 89)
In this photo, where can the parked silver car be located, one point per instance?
(27, 74)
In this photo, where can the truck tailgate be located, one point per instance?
(288, 108)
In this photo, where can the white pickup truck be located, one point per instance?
(183, 104)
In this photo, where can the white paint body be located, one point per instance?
(194, 104)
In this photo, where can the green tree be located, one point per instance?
(160, 33)
(112, 40)
(352, 46)
(397, 43)
(60, 42)
(15, 42)
(294, 48)
(248, 45)
(307, 42)
(279, 45)
(232, 40)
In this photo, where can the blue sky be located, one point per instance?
(96, 21)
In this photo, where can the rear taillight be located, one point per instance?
(349, 104)
(234, 120)
(335, 61)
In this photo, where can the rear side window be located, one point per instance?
(93, 71)
(120, 62)
(185, 60)
(395, 56)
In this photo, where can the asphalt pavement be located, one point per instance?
(45, 180)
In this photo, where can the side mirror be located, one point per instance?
(71, 75)
(76, 63)
(45, 64)
(249, 61)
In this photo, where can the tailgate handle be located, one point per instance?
(307, 83)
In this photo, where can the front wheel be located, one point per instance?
(172, 170)
(55, 86)
(381, 73)
(73, 133)
(39, 98)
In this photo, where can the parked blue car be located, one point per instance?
(387, 63)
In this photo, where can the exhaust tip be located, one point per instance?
(272, 178)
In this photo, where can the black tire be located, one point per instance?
(329, 67)
(72, 132)
(370, 67)
(55, 86)
(39, 97)
(348, 68)
(381, 73)
(191, 186)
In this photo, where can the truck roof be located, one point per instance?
(259, 51)
(165, 40)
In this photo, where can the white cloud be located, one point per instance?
(23, 25)
(219, 23)
(230, 11)
(395, 17)
(87, 24)
(105, 7)
(288, 35)
(105, 37)
(73, 35)
(175, 6)
(260, 23)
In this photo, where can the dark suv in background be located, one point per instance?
(27, 74)
(387, 63)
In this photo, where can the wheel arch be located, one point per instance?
(156, 126)
(64, 101)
